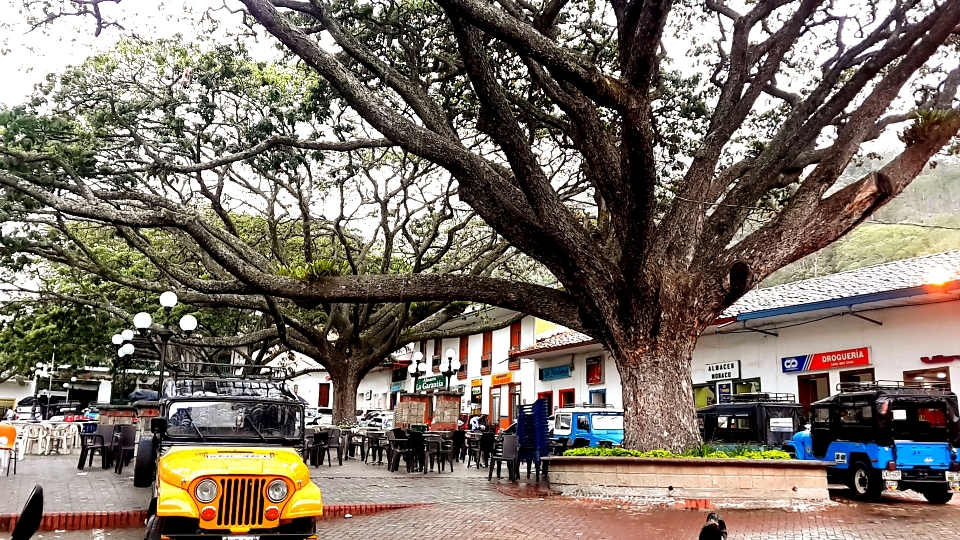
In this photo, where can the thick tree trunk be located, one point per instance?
(658, 394)
(345, 386)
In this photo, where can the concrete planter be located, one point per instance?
(748, 483)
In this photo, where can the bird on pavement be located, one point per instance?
(715, 528)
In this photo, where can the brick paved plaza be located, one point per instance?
(467, 506)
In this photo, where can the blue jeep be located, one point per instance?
(889, 436)
(589, 425)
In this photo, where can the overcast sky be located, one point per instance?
(26, 56)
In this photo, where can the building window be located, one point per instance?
(929, 378)
(399, 375)
(486, 359)
(437, 345)
(464, 356)
(324, 400)
(515, 337)
(704, 395)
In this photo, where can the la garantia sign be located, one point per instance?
(826, 360)
(431, 383)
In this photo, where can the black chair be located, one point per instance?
(375, 449)
(509, 454)
(317, 447)
(126, 441)
(433, 451)
(459, 439)
(334, 442)
(416, 458)
(354, 443)
(101, 441)
(398, 449)
(482, 450)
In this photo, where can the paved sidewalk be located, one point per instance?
(570, 520)
(94, 489)
(65, 489)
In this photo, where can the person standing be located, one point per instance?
(8, 415)
(474, 423)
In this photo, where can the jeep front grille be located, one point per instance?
(241, 502)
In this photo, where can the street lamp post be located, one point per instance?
(143, 321)
(453, 366)
(416, 368)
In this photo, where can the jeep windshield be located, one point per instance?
(218, 420)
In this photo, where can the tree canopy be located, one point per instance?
(658, 158)
(127, 126)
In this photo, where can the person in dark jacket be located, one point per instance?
(714, 529)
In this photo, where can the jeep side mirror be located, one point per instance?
(31, 516)
(159, 425)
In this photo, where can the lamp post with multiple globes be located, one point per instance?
(417, 368)
(453, 366)
(143, 322)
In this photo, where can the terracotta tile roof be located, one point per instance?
(563, 340)
(880, 278)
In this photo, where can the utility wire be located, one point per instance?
(907, 224)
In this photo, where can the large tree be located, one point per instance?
(134, 130)
(712, 136)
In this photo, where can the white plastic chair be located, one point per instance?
(33, 440)
(73, 437)
(58, 439)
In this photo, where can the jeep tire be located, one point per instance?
(937, 495)
(154, 528)
(865, 482)
(145, 465)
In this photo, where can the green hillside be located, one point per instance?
(932, 200)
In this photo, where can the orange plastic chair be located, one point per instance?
(8, 440)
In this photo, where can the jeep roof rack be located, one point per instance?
(892, 385)
(588, 406)
(763, 397)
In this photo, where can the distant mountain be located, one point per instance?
(924, 219)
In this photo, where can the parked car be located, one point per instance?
(377, 419)
(886, 436)
(762, 420)
(593, 425)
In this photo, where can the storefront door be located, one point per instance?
(495, 406)
(548, 396)
(812, 388)
(567, 397)
(514, 403)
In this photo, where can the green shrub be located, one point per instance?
(701, 451)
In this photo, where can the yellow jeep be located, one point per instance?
(229, 466)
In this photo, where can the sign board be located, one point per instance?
(431, 383)
(501, 378)
(781, 425)
(595, 370)
(396, 387)
(826, 360)
(939, 359)
(476, 382)
(723, 371)
(555, 372)
(724, 391)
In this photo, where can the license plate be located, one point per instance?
(891, 475)
(953, 476)
(241, 537)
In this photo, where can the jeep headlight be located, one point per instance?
(206, 491)
(277, 491)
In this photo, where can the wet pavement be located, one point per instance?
(467, 506)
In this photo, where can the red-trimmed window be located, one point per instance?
(464, 356)
(486, 359)
(515, 337)
(437, 352)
